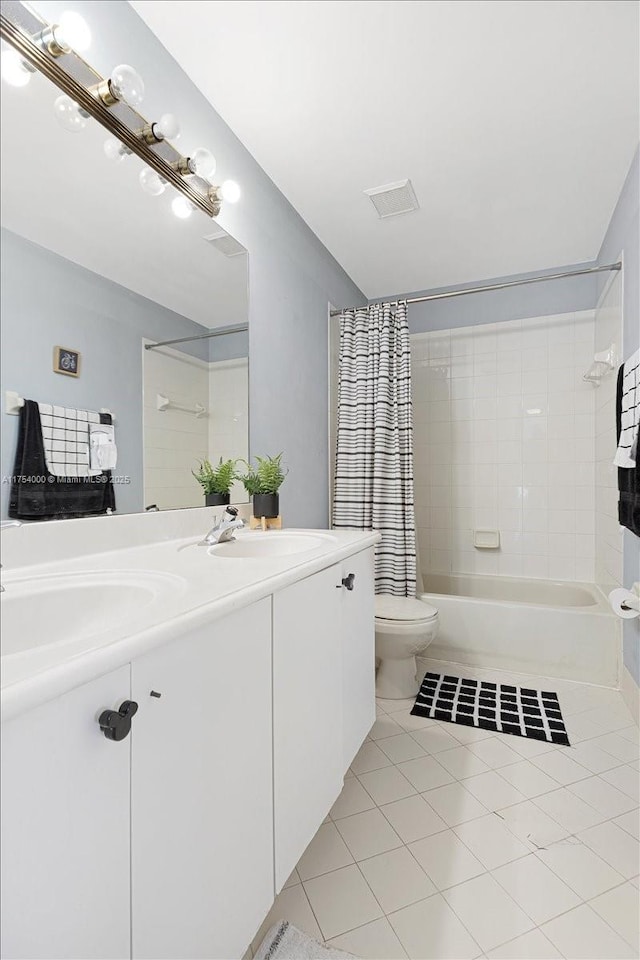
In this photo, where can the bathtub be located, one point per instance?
(553, 629)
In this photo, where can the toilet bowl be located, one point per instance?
(404, 629)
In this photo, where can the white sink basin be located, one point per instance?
(270, 544)
(45, 611)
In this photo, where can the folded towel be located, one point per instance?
(628, 477)
(38, 494)
(629, 413)
(102, 446)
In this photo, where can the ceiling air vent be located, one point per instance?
(393, 199)
(225, 244)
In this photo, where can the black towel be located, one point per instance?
(36, 494)
(628, 478)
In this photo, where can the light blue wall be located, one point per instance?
(534, 300)
(47, 300)
(292, 277)
(623, 237)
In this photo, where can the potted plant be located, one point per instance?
(216, 481)
(263, 482)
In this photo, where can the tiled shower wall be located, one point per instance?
(504, 432)
(608, 330)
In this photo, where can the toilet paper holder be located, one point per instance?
(626, 603)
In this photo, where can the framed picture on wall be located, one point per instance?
(66, 361)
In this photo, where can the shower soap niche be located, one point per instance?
(486, 539)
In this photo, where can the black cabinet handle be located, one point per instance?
(116, 724)
(348, 581)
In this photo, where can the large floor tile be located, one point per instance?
(490, 915)
(540, 893)
(341, 901)
(491, 841)
(618, 746)
(402, 747)
(582, 935)
(454, 804)
(413, 818)
(384, 727)
(630, 822)
(495, 752)
(396, 879)
(446, 859)
(294, 877)
(292, 905)
(393, 706)
(425, 773)
(528, 747)
(493, 791)
(465, 734)
(353, 799)
(592, 757)
(626, 779)
(527, 778)
(530, 946)
(374, 941)
(609, 719)
(434, 739)
(582, 869)
(621, 909)
(430, 930)
(461, 763)
(615, 846)
(531, 824)
(409, 722)
(327, 851)
(604, 797)
(369, 757)
(367, 834)
(560, 767)
(570, 811)
(386, 785)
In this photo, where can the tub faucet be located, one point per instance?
(222, 530)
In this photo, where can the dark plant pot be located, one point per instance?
(266, 504)
(217, 499)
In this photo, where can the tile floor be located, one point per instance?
(452, 842)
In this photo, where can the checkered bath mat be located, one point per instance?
(492, 706)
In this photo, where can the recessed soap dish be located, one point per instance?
(486, 539)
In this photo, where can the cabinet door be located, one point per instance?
(358, 653)
(65, 828)
(307, 712)
(202, 807)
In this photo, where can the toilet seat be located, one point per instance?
(403, 610)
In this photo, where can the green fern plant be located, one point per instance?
(267, 477)
(217, 479)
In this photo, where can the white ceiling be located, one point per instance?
(516, 121)
(92, 211)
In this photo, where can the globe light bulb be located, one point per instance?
(114, 150)
(72, 32)
(182, 207)
(203, 163)
(69, 115)
(230, 191)
(151, 182)
(127, 84)
(167, 127)
(15, 71)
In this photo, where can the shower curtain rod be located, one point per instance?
(220, 332)
(495, 286)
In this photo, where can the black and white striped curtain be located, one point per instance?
(374, 456)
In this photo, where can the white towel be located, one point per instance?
(627, 451)
(102, 442)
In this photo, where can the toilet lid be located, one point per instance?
(403, 608)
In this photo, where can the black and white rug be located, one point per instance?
(519, 711)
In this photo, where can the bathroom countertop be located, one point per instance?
(193, 586)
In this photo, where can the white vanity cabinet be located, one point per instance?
(357, 638)
(65, 828)
(201, 791)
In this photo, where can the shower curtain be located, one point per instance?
(373, 487)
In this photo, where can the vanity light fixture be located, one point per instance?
(53, 49)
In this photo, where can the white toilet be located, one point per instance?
(404, 629)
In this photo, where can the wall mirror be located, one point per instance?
(97, 267)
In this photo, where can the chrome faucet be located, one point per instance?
(222, 530)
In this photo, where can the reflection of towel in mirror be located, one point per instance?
(102, 446)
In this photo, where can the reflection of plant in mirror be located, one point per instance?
(267, 477)
(216, 479)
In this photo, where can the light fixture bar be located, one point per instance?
(35, 55)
